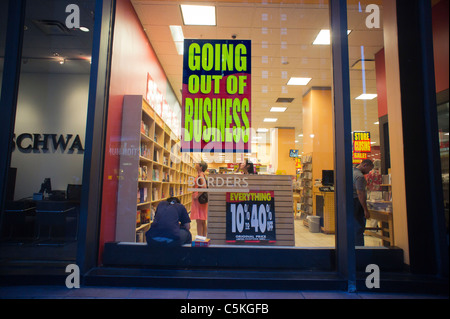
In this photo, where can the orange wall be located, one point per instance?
(318, 120)
(286, 142)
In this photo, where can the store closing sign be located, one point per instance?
(250, 217)
(361, 146)
(216, 103)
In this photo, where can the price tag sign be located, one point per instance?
(250, 217)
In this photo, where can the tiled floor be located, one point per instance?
(304, 238)
(60, 292)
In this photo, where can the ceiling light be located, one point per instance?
(278, 109)
(301, 135)
(62, 61)
(178, 38)
(296, 141)
(262, 130)
(324, 37)
(270, 120)
(311, 135)
(198, 15)
(84, 29)
(366, 96)
(298, 81)
(376, 123)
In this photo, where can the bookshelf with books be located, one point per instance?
(306, 185)
(151, 165)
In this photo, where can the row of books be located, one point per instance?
(145, 151)
(143, 172)
(145, 129)
(142, 195)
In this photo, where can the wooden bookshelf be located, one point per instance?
(152, 168)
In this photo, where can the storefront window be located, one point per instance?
(376, 109)
(260, 69)
(440, 46)
(41, 216)
(370, 130)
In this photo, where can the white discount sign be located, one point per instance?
(250, 217)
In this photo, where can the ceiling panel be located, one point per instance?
(282, 36)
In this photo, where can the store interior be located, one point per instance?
(285, 47)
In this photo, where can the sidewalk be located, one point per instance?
(61, 292)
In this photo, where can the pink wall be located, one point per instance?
(441, 56)
(380, 70)
(132, 58)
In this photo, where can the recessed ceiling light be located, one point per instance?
(198, 15)
(298, 81)
(324, 37)
(376, 123)
(178, 38)
(270, 120)
(301, 135)
(366, 96)
(262, 130)
(296, 141)
(84, 29)
(278, 109)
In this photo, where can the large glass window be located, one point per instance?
(370, 130)
(40, 221)
(441, 50)
(288, 122)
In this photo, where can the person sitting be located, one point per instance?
(170, 227)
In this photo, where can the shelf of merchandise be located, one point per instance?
(306, 185)
(152, 169)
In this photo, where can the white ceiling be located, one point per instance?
(279, 33)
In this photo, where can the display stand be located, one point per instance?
(152, 169)
(281, 185)
(326, 209)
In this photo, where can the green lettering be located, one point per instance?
(237, 128)
(207, 57)
(227, 57)
(242, 83)
(228, 135)
(198, 120)
(193, 59)
(246, 127)
(205, 87)
(188, 123)
(221, 105)
(232, 84)
(207, 127)
(217, 79)
(240, 62)
(193, 84)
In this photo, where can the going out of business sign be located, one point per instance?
(216, 102)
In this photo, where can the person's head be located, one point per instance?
(202, 166)
(173, 200)
(366, 166)
(249, 167)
